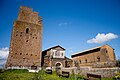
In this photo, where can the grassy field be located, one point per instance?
(25, 75)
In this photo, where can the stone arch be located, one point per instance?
(58, 64)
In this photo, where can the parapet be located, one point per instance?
(27, 15)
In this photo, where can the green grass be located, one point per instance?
(16, 75)
(25, 75)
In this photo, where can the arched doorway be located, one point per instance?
(58, 64)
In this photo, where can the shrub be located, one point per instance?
(117, 75)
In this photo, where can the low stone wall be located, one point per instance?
(104, 72)
(28, 68)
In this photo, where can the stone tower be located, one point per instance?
(26, 41)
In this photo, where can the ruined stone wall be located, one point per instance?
(104, 72)
(26, 40)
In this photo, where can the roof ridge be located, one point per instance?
(87, 50)
(53, 47)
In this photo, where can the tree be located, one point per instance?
(118, 62)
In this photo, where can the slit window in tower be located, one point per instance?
(27, 30)
(20, 53)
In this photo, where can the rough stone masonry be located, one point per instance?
(26, 41)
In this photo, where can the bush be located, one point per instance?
(117, 75)
(1, 70)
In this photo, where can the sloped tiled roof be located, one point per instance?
(53, 48)
(87, 51)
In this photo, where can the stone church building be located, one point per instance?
(55, 57)
(26, 41)
(102, 56)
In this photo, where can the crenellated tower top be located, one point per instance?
(26, 14)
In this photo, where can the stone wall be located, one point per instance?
(26, 40)
(104, 72)
(103, 56)
(26, 15)
(48, 60)
(69, 63)
(60, 60)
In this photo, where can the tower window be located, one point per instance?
(27, 30)
(26, 40)
(98, 59)
(16, 31)
(106, 51)
(86, 60)
(20, 53)
(80, 61)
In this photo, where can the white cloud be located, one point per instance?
(4, 53)
(100, 38)
(2, 63)
(63, 24)
(3, 56)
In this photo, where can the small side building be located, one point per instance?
(102, 56)
(55, 57)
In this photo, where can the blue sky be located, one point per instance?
(69, 23)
